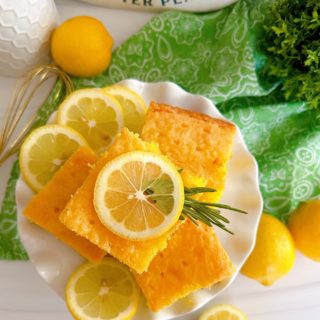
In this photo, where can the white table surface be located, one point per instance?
(25, 296)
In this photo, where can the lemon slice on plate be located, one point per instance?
(139, 195)
(96, 115)
(223, 312)
(45, 150)
(102, 291)
(133, 106)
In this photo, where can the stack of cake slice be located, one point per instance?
(187, 257)
(194, 257)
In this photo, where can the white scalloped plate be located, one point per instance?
(54, 261)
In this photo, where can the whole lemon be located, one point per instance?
(82, 46)
(304, 224)
(274, 253)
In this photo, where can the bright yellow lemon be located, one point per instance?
(45, 150)
(223, 312)
(139, 195)
(274, 253)
(82, 46)
(104, 291)
(133, 106)
(304, 224)
(96, 115)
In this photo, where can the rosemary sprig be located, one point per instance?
(205, 212)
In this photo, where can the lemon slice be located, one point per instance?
(133, 106)
(223, 312)
(97, 116)
(102, 291)
(139, 195)
(45, 150)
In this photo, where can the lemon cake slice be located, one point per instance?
(194, 257)
(45, 207)
(81, 217)
(196, 143)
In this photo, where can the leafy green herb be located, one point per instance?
(205, 212)
(292, 40)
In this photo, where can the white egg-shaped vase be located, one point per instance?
(25, 30)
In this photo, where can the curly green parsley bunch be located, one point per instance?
(293, 45)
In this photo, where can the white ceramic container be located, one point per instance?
(160, 5)
(25, 30)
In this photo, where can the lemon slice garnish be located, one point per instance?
(133, 106)
(223, 312)
(96, 115)
(45, 150)
(102, 291)
(139, 195)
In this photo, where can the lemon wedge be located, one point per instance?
(223, 312)
(102, 291)
(45, 150)
(133, 106)
(139, 195)
(96, 115)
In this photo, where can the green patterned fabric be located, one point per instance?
(215, 55)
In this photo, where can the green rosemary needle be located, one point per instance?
(206, 212)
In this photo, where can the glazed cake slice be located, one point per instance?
(45, 207)
(194, 257)
(81, 217)
(196, 143)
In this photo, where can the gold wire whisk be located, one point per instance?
(20, 100)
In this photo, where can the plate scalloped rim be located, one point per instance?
(54, 261)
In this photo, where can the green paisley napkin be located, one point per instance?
(215, 55)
